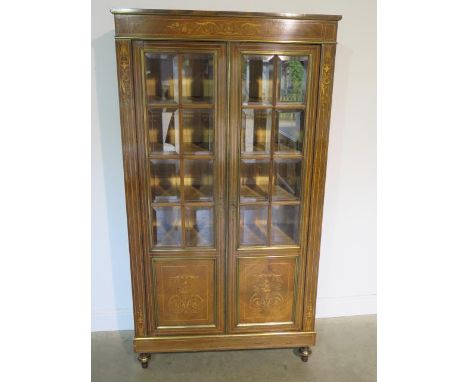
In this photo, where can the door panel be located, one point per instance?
(266, 287)
(180, 93)
(185, 292)
(272, 108)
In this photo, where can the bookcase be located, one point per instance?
(224, 121)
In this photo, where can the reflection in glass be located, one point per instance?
(197, 78)
(287, 179)
(165, 180)
(198, 131)
(163, 130)
(285, 224)
(198, 180)
(166, 226)
(199, 226)
(253, 225)
(257, 79)
(289, 131)
(254, 179)
(161, 77)
(292, 77)
(256, 130)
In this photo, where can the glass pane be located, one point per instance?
(287, 179)
(289, 131)
(198, 180)
(256, 130)
(161, 77)
(199, 226)
(163, 130)
(257, 79)
(198, 131)
(165, 180)
(167, 227)
(285, 224)
(197, 78)
(292, 76)
(253, 225)
(254, 179)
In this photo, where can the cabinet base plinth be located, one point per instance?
(166, 344)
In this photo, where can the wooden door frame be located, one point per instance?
(148, 253)
(233, 251)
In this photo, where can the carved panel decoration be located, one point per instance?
(184, 291)
(266, 289)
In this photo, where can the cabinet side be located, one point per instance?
(322, 128)
(132, 193)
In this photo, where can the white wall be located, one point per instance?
(347, 278)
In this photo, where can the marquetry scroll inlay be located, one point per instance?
(310, 312)
(267, 292)
(226, 28)
(185, 292)
(140, 322)
(124, 73)
(326, 80)
(208, 27)
(185, 300)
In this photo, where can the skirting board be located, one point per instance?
(346, 306)
(122, 319)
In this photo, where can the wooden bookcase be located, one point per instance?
(225, 119)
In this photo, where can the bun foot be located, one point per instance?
(305, 352)
(144, 358)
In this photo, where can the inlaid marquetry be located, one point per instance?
(238, 27)
(185, 292)
(225, 119)
(266, 290)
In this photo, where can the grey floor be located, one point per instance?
(345, 351)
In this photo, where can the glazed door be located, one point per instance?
(180, 98)
(272, 112)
